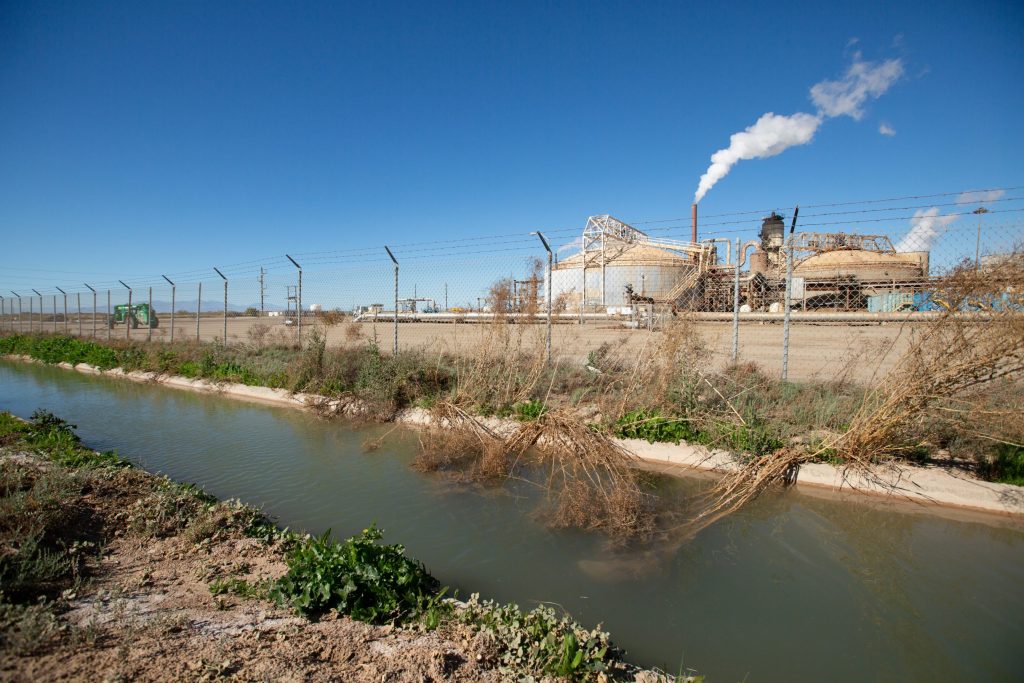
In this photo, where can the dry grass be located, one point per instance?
(951, 361)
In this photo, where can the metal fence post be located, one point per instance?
(395, 261)
(149, 317)
(789, 299)
(172, 306)
(298, 302)
(65, 311)
(225, 342)
(78, 299)
(40, 310)
(93, 309)
(110, 320)
(18, 296)
(129, 314)
(547, 287)
(3, 312)
(736, 306)
(199, 308)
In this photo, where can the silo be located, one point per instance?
(758, 262)
(651, 271)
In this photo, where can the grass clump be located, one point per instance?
(359, 577)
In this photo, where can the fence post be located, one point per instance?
(199, 308)
(225, 342)
(736, 306)
(78, 299)
(93, 310)
(65, 310)
(172, 306)
(110, 320)
(547, 287)
(18, 296)
(129, 314)
(3, 311)
(40, 310)
(789, 298)
(298, 302)
(395, 261)
(149, 316)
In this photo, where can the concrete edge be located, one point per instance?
(925, 486)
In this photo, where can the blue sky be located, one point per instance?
(140, 138)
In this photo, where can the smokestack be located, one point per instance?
(694, 233)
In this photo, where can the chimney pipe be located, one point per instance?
(694, 233)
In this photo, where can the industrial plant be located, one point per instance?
(619, 267)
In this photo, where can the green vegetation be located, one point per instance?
(359, 577)
(652, 426)
(540, 642)
(1006, 465)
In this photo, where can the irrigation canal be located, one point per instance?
(796, 587)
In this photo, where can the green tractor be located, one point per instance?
(140, 315)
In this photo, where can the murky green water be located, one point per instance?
(795, 588)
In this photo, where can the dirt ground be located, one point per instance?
(146, 613)
(817, 350)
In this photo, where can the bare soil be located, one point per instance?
(146, 613)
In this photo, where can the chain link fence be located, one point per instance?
(806, 294)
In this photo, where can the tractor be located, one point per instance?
(140, 315)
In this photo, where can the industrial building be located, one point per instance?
(619, 266)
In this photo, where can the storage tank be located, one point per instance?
(651, 271)
(864, 265)
(758, 262)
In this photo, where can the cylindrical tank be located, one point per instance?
(758, 262)
(650, 271)
(773, 232)
(864, 265)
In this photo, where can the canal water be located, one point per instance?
(797, 587)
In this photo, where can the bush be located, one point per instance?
(653, 427)
(1006, 466)
(359, 577)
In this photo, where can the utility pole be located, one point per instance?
(263, 288)
(446, 297)
(977, 245)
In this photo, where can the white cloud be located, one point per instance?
(863, 80)
(772, 134)
(980, 196)
(886, 129)
(925, 227)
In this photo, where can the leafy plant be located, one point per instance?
(1006, 466)
(539, 643)
(653, 427)
(359, 577)
(528, 411)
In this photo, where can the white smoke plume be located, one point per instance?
(773, 134)
(925, 228)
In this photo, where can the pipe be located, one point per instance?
(728, 247)
(693, 237)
